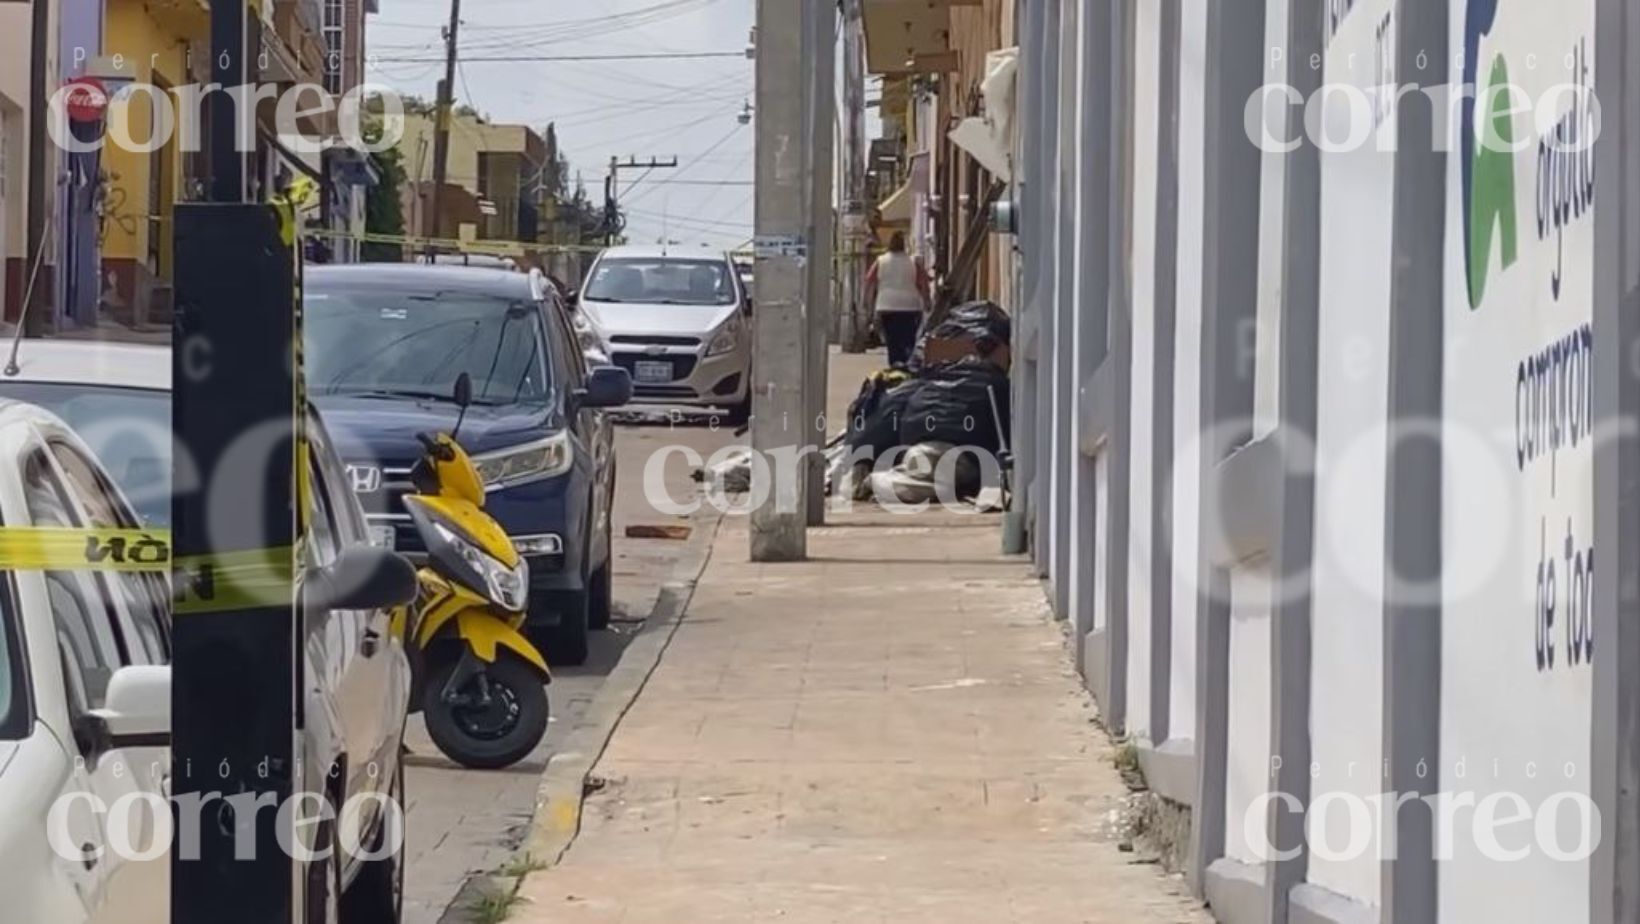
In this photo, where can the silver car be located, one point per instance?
(680, 324)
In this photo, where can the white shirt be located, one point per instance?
(897, 283)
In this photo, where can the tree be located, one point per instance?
(384, 213)
(575, 208)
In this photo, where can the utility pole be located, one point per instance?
(441, 128)
(35, 321)
(612, 187)
(781, 333)
(853, 313)
(821, 73)
(237, 626)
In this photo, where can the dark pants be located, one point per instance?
(900, 334)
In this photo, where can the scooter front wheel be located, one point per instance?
(493, 720)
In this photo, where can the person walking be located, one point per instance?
(897, 290)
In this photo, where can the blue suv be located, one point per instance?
(383, 345)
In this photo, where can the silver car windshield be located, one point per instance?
(661, 281)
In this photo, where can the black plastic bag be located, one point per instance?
(981, 323)
(874, 414)
(952, 403)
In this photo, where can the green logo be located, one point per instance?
(1488, 162)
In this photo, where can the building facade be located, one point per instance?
(1324, 407)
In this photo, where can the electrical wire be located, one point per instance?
(694, 161)
(542, 59)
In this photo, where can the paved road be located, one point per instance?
(463, 822)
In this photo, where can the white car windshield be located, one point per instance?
(661, 281)
(129, 430)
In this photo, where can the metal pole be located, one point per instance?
(822, 121)
(851, 334)
(781, 334)
(230, 181)
(35, 321)
(441, 129)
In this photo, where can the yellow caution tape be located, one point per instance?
(233, 581)
(43, 548)
(201, 584)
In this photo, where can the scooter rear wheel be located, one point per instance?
(494, 734)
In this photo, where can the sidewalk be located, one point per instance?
(889, 732)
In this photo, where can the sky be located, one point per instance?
(683, 108)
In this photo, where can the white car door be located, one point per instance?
(52, 840)
(77, 652)
(132, 781)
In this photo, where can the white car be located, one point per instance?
(680, 324)
(84, 693)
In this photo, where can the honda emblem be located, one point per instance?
(366, 479)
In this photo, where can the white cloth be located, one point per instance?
(897, 283)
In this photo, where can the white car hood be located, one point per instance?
(638, 318)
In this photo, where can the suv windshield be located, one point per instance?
(129, 430)
(661, 281)
(416, 345)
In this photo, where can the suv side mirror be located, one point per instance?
(363, 577)
(136, 711)
(572, 299)
(607, 386)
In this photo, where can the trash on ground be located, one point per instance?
(977, 329)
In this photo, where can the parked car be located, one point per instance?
(85, 694)
(383, 344)
(680, 324)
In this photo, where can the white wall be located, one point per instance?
(1142, 461)
(1186, 472)
(1352, 391)
(1247, 762)
(1514, 518)
(1272, 225)
(1055, 321)
(1083, 284)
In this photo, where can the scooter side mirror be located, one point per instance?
(464, 390)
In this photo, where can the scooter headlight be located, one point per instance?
(506, 587)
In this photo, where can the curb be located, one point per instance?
(557, 818)
(563, 784)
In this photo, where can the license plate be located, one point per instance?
(383, 536)
(651, 371)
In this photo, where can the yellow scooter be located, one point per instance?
(479, 682)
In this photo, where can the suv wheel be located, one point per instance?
(599, 592)
(569, 642)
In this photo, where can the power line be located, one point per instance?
(532, 59)
(692, 162)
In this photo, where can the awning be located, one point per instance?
(909, 36)
(896, 209)
(988, 137)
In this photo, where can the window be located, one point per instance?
(128, 429)
(412, 344)
(142, 594)
(86, 633)
(662, 281)
(346, 519)
(334, 29)
(324, 541)
(566, 347)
